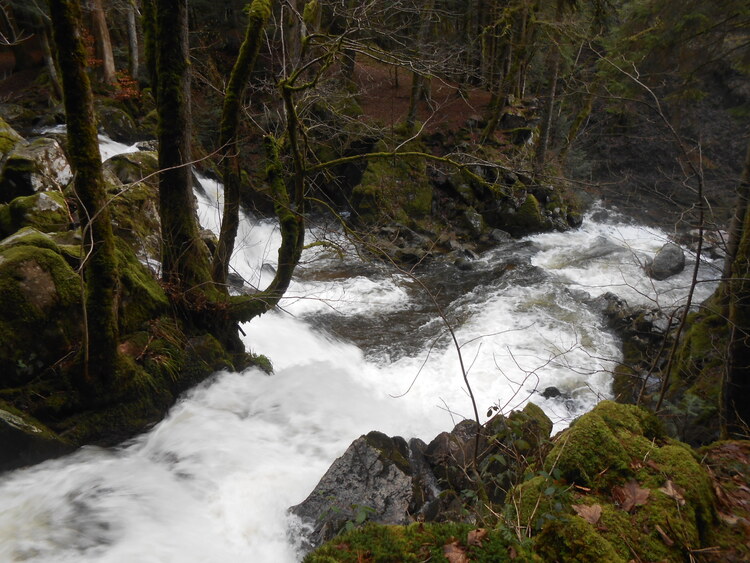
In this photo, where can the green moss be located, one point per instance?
(9, 138)
(417, 543)
(572, 453)
(394, 189)
(572, 539)
(141, 297)
(45, 211)
(39, 311)
(526, 219)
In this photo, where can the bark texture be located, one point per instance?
(83, 148)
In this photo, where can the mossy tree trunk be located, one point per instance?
(185, 267)
(258, 13)
(100, 350)
(736, 395)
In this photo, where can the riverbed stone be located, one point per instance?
(668, 262)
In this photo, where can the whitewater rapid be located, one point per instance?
(356, 347)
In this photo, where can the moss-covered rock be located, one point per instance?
(33, 167)
(615, 489)
(45, 211)
(9, 138)
(134, 208)
(393, 189)
(40, 311)
(116, 123)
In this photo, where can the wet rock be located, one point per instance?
(46, 212)
(371, 481)
(551, 393)
(25, 442)
(498, 235)
(451, 454)
(38, 166)
(669, 261)
(117, 124)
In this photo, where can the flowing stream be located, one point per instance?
(356, 346)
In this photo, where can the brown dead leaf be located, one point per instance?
(653, 465)
(476, 537)
(590, 513)
(630, 496)
(671, 491)
(665, 538)
(512, 553)
(454, 553)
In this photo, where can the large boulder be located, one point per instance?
(372, 481)
(117, 124)
(40, 310)
(668, 262)
(38, 166)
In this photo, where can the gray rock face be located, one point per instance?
(372, 481)
(669, 261)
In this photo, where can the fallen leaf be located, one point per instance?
(590, 513)
(512, 553)
(630, 496)
(454, 553)
(667, 540)
(476, 537)
(673, 492)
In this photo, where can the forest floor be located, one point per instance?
(385, 93)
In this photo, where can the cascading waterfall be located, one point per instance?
(212, 482)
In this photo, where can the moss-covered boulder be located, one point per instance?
(117, 123)
(40, 311)
(33, 167)
(45, 211)
(394, 189)
(9, 138)
(134, 208)
(615, 489)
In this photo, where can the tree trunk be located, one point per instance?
(148, 20)
(185, 268)
(100, 346)
(49, 63)
(540, 157)
(103, 42)
(258, 14)
(736, 393)
(134, 60)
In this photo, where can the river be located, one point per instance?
(356, 346)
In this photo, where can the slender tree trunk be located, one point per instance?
(148, 20)
(49, 62)
(103, 42)
(417, 80)
(100, 264)
(258, 14)
(185, 267)
(540, 157)
(134, 60)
